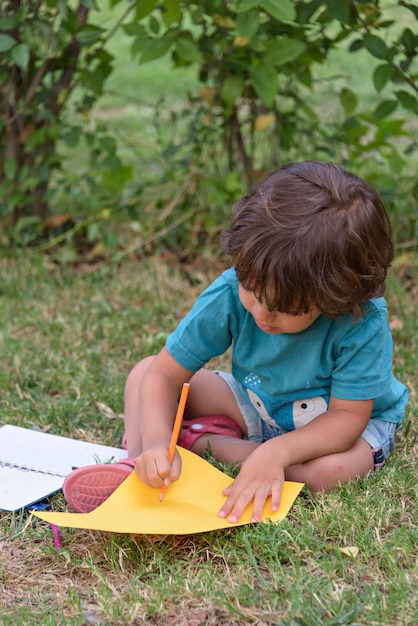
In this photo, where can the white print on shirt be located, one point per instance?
(303, 411)
(252, 380)
(259, 406)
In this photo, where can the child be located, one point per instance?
(311, 397)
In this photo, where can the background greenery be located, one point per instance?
(150, 118)
(98, 283)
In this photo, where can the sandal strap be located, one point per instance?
(130, 461)
(210, 424)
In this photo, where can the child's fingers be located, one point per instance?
(155, 469)
(227, 490)
(236, 503)
(175, 470)
(276, 495)
(260, 499)
(239, 499)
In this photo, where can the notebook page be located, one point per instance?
(33, 464)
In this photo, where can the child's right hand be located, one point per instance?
(154, 468)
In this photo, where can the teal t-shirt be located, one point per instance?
(289, 377)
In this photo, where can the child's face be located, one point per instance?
(274, 322)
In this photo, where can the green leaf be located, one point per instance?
(282, 10)
(72, 136)
(354, 130)
(188, 50)
(232, 88)
(264, 80)
(89, 34)
(6, 42)
(90, 4)
(14, 198)
(396, 162)
(154, 25)
(306, 11)
(155, 49)
(138, 45)
(381, 75)
(281, 51)
(133, 29)
(348, 99)
(144, 8)
(244, 5)
(110, 240)
(340, 10)
(247, 23)
(36, 138)
(171, 12)
(8, 22)
(407, 100)
(357, 44)
(21, 55)
(27, 221)
(115, 178)
(384, 109)
(376, 46)
(92, 81)
(409, 40)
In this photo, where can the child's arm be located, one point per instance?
(262, 474)
(158, 399)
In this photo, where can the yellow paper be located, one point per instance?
(190, 504)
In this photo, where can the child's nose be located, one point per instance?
(262, 313)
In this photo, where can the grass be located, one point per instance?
(68, 337)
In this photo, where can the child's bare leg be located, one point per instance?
(131, 407)
(209, 395)
(325, 472)
(224, 448)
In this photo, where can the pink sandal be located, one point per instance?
(88, 487)
(213, 424)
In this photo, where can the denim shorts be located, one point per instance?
(379, 434)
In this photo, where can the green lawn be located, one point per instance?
(68, 337)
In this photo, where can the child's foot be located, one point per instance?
(88, 487)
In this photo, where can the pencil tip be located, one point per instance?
(161, 497)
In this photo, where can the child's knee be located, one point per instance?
(324, 473)
(137, 372)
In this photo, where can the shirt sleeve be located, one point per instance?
(363, 366)
(208, 329)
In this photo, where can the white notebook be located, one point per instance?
(33, 464)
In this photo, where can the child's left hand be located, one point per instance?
(261, 476)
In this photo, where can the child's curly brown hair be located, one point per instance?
(311, 234)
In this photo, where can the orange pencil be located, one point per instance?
(176, 429)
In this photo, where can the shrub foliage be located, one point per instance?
(256, 62)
